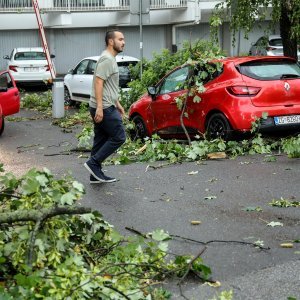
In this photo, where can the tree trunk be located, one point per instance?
(289, 43)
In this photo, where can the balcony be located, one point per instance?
(25, 6)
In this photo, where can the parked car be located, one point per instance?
(78, 81)
(29, 66)
(244, 89)
(9, 97)
(268, 45)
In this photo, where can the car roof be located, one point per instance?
(119, 58)
(243, 59)
(23, 49)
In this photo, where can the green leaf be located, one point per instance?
(160, 235)
(78, 186)
(197, 99)
(30, 186)
(42, 179)
(163, 246)
(68, 198)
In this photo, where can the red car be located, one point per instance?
(242, 90)
(9, 97)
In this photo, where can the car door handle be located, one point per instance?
(173, 103)
(16, 94)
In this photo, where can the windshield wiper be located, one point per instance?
(283, 76)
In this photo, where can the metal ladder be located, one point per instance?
(43, 38)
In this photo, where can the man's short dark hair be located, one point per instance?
(110, 34)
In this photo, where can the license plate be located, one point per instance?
(295, 119)
(31, 69)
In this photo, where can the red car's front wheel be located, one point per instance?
(140, 130)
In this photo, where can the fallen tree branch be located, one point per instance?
(200, 242)
(160, 166)
(221, 241)
(41, 215)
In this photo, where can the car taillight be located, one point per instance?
(243, 90)
(270, 48)
(47, 68)
(13, 68)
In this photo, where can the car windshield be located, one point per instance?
(30, 55)
(124, 72)
(270, 70)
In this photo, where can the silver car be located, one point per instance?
(268, 45)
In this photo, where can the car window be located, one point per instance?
(269, 70)
(6, 81)
(208, 72)
(175, 81)
(30, 55)
(82, 67)
(91, 67)
(276, 42)
(124, 72)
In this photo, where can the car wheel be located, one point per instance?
(140, 130)
(67, 96)
(218, 127)
(2, 126)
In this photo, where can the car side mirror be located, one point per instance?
(6, 57)
(71, 71)
(3, 89)
(151, 91)
(52, 56)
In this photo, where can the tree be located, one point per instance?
(244, 14)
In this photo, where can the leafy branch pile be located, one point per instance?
(40, 102)
(155, 149)
(51, 248)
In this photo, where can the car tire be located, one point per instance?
(67, 98)
(140, 130)
(2, 126)
(218, 127)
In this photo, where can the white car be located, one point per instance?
(29, 66)
(78, 81)
(268, 45)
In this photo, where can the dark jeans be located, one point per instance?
(109, 134)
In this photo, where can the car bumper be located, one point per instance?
(269, 125)
(242, 118)
(32, 78)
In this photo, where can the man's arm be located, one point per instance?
(98, 95)
(120, 108)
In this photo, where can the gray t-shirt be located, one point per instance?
(106, 69)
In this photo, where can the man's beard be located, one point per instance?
(118, 50)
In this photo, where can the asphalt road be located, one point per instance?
(218, 195)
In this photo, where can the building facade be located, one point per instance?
(76, 28)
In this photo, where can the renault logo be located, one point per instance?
(287, 86)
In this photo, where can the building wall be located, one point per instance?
(72, 44)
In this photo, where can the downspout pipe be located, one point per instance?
(175, 26)
(174, 39)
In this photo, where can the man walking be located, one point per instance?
(105, 108)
